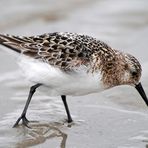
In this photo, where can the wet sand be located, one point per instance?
(116, 118)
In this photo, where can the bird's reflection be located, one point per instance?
(40, 132)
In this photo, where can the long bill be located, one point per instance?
(142, 93)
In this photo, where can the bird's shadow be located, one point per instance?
(39, 133)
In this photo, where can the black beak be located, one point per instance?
(142, 93)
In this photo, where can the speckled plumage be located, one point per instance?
(69, 51)
(64, 50)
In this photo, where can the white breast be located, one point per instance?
(58, 82)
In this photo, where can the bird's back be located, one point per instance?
(63, 50)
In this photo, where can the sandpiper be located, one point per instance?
(72, 64)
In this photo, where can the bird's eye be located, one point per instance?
(134, 73)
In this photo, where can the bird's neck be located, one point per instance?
(110, 64)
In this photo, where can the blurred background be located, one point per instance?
(116, 118)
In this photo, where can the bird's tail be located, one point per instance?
(12, 42)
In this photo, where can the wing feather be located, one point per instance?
(56, 49)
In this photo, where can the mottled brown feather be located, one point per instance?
(69, 51)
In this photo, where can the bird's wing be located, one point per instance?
(58, 50)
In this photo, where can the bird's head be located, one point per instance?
(126, 70)
(131, 71)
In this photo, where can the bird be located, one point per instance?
(71, 64)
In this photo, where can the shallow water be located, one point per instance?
(116, 118)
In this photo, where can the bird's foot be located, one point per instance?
(24, 121)
(69, 120)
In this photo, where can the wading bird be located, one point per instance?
(72, 64)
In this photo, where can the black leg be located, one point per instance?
(67, 109)
(23, 115)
